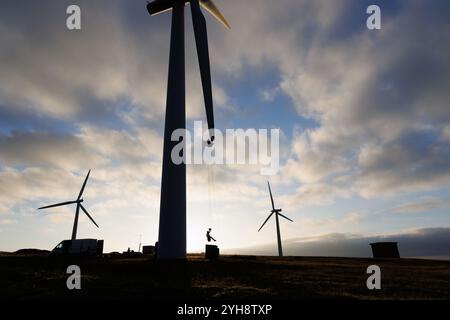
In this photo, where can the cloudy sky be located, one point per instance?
(364, 118)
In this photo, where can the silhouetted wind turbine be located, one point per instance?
(79, 205)
(277, 213)
(172, 216)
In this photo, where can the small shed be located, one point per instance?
(385, 250)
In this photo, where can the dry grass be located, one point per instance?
(245, 277)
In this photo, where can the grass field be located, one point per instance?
(241, 277)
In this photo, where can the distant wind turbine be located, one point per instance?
(79, 205)
(172, 215)
(277, 213)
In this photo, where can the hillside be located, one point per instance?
(246, 277)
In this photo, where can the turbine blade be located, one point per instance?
(212, 9)
(85, 211)
(84, 185)
(201, 40)
(58, 205)
(284, 217)
(265, 221)
(271, 197)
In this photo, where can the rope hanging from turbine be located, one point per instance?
(211, 194)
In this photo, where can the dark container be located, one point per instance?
(385, 250)
(211, 252)
(150, 250)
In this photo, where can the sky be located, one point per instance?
(364, 117)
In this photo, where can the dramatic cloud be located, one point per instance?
(381, 101)
(364, 114)
(43, 149)
(423, 205)
(421, 243)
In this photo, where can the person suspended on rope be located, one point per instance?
(208, 235)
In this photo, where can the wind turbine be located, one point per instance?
(79, 205)
(172, 215)
(277, 213)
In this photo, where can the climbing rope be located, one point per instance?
(209, 195)
(214, 222)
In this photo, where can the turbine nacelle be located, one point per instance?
(160, 6)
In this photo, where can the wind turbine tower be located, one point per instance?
(277, 213)
(172, 216)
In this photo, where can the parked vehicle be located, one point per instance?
(89, 247)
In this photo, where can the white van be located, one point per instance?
(91, 247)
